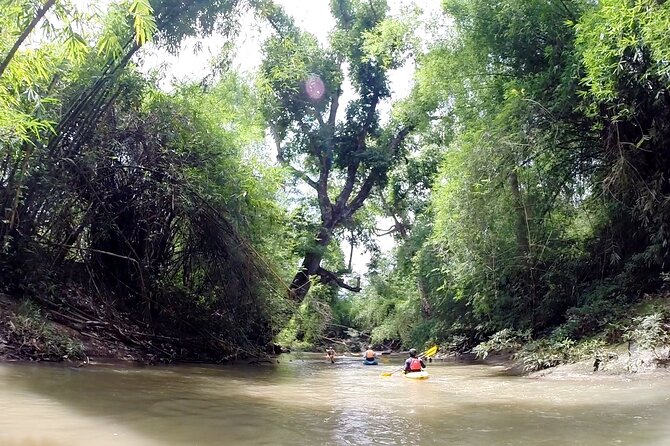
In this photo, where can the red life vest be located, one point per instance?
(415, 365)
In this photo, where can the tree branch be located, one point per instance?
(322, 193)
(569, 11)
(281, 160)
(399, 226)
(298, 173)
(329, 277)
(366, 187)
(352, 169)
(334, 105)
(318, 117)
(24, 35)
(315, 148)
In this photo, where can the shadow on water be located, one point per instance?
(308, 401)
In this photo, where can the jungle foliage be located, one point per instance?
(525, 175)
(128, 207)
(548, 214)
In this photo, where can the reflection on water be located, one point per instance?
(306, 400)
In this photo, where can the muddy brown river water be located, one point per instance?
(304, 400)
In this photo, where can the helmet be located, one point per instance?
(412, 352)
(370, 347)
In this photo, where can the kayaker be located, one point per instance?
(330, 353)
(370, 354)
(414, 363)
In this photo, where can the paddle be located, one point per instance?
(428, 353)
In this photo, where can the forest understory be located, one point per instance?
(78, 332)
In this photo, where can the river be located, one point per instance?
(306, 401)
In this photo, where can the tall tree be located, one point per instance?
(340, 158)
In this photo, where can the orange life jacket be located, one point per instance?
(415, 365)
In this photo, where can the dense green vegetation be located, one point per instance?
(547, 214)
(525, 175)
(127, 206)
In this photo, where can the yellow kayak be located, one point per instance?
(417, 375)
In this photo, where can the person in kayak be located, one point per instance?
(330, 353)
(414, 363)
(370, 354)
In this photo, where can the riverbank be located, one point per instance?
(28, 333)
(80, 332)
(637, 363)
(618, 365)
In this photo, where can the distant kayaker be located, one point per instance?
(330, 353)
(414, 363)
(370, 354)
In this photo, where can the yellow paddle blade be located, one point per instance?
(393, 372)
(431, 351)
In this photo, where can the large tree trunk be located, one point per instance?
(301, 282)
(310, 266)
